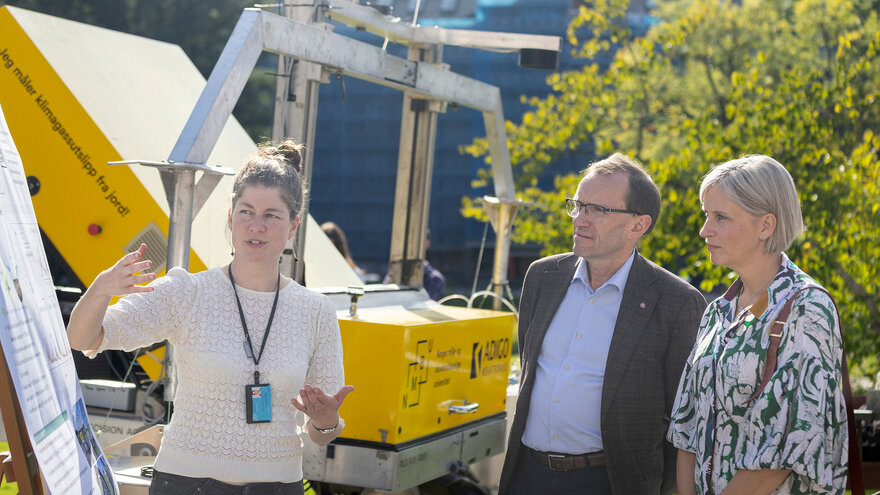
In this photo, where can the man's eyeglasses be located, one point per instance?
(572, 206)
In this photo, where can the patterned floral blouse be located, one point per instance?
(798, 422)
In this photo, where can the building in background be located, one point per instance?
(358, 131)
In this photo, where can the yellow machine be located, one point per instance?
(89, 210)
(421, 371)
(431, 379)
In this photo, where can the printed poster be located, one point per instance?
(34, 340)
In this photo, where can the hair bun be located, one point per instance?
(287, 150)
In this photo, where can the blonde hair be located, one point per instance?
(760, 185)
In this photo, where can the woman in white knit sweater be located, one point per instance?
(251, 346)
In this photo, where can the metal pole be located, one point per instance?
(415, 165)
(296, 112)
(501, 215)
(309, 121)
(179, 233)
(180, 223)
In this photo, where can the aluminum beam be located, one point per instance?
(415, 164)
(363, 61)
(370, 20)
(257, 31)
(224, 86)
(296, 109)
(418, 76)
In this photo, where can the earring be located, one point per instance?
(763, 237)
(232, 253)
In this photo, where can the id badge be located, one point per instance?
(258, 399)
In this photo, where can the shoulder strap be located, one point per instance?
(857, 483)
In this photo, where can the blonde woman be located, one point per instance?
(791, 437)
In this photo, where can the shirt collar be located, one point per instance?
(774, 293)
(617, 280)
(780, 291)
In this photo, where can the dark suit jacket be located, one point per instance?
(653, 336)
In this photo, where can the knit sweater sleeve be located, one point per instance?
(325, 367)
(138, 320)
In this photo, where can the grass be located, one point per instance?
(7, 488)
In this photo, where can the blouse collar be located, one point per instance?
(783, 283)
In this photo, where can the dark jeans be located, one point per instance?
(532, 478)
(172, 484)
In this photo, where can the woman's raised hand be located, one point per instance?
(123, 277)
(84, 330)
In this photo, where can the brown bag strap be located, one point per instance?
(856, 478)
(775, 339)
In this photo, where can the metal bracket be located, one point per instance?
(168, 171)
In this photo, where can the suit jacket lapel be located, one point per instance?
(553, 287)
(636, 308)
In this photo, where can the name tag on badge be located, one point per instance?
(258, 399)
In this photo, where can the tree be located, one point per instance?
(798, 80)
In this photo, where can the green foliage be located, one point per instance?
(797, 80)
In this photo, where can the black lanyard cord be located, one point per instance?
(256, 357)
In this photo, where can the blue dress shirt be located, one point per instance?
(564, 412)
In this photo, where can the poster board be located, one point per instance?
(35, 347)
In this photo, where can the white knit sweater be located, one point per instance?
(208, 435)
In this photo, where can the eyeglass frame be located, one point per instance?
(600, 208)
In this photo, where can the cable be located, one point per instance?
(480, 259)
(119, 389)
(454, 296)
(416, 13)
(112, 366)
(144, 415)
(509, 292)
(503, 300)
(342, 83)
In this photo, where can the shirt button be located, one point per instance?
(566, 366)
(555, 436)
(592, 299)
(578, 335)
(555, 399)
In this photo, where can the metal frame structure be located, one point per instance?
(427, 85)
(309, 53)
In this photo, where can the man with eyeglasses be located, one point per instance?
(603, 335)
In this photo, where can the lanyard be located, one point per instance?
(250, 348)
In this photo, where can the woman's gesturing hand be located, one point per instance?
(123, 277)
(321, 408)
(84, 330)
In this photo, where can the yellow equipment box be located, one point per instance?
(417, 372)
